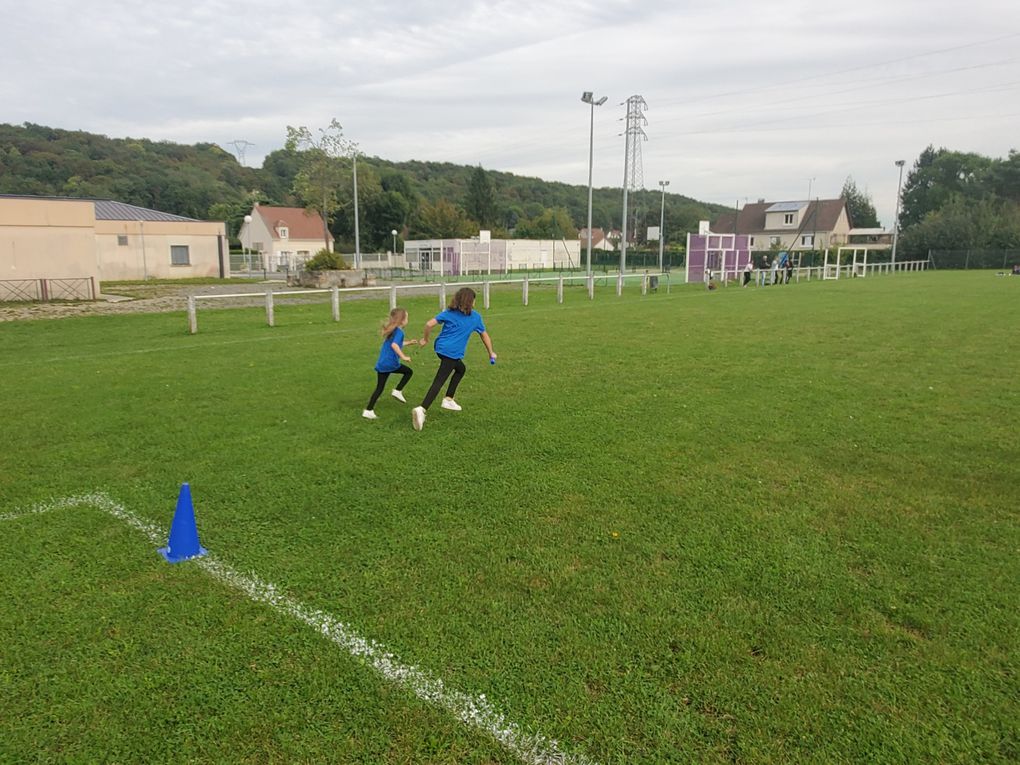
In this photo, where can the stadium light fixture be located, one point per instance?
(588, 98)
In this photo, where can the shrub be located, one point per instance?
(327, 260)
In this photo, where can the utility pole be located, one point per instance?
(357, 237)
(588, 98)
(896, 218)
(632, 173)
(662, 221)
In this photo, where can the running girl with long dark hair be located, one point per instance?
(459, 321)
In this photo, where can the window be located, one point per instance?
(750, 241)
(122, 240)
(284, 232)
(788, 219)
(773, 241)
(179, 255)
(808, 240)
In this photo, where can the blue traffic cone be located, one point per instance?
(183, 542)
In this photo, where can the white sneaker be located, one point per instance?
(449, 403)
(418, 417)
(399, 396)
(368, 414)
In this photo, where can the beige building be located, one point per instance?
(47, 239)
(283, 238)
(812, 225)
(57, 238)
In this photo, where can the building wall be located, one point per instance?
(294, 252)
(774, 220)
(145, 253)
(47, 239)
(471, 256)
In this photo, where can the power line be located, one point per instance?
(863, 67)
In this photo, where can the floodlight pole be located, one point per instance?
(896, 217)
(662, 221)
(357, 236)
(588, 98)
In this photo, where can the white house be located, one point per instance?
(283, 238)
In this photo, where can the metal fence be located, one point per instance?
(46, 290)
(965, 259)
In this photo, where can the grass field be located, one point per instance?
(763, 525)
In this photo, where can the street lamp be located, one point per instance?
(246, 242)
(588, 98)
(662, 221)
(393, 233)
(145, 267)
(896, 218)
(357, 235)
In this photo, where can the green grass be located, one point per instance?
(762, 525)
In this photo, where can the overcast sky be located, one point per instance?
(746, 99)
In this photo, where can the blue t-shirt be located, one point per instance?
(389, 361)
(457, 329)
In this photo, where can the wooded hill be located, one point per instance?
(418, 199)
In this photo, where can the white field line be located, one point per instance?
(475, 711)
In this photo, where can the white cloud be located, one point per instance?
(746, 99)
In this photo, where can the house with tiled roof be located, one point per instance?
(797, 225)
(285, 237)
(69, 238)
(599, 240)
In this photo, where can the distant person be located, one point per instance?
(763, 272)
(459, 321)
(748, 270)
(775, 270)
(1016, 269)
(789, 270)
(391, 354)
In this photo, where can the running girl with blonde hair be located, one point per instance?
(459, 321)
(391, 354)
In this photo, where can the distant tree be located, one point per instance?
(322, 168)
(963, 224)
(1004, 177)
(859, 205)
(551, 224)
(480, 201)
(443, 220)
(279, 169)
(940, 176)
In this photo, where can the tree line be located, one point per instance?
(950, 199)
(959, 201)
(314, 170)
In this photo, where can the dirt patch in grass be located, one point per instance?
(139, 298)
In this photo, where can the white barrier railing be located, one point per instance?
(761, 277)
(334, 292)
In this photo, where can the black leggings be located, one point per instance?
(446, 366)
(381, 383)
